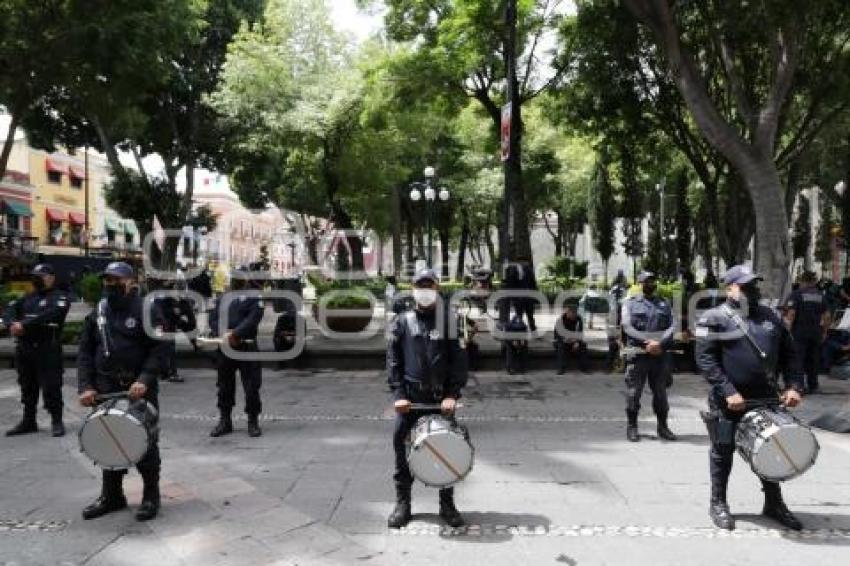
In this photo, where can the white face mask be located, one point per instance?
(425, 298)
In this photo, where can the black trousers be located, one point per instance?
(648, 369)
(525, 307)
(722, 451)
(251, 373)
(808, 346)
(403, 425)
(565, 352)
(516, 356)
(40, 369)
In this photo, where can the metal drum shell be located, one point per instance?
(751, 438)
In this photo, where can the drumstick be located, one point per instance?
(442, 459)
(115, 440)
(786, 455)
(429, 406)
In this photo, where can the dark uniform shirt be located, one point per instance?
(244, 314)
(420, 358)
(177, 314)
(728, 361)
(115, 350)
(575, 326)
(809, 306)
(647, 318)
(42, 314)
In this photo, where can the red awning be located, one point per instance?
(55, 215)
(77, 218)
(77, 172)
(55, 166)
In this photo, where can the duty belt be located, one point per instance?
(423, 388)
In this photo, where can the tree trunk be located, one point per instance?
(464, 240)
(444, 252)
(773, 245)
(9, 142)
(491, 247)
(395, 200)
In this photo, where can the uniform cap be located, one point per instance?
(43, 269)
(740, 275)
(118, 269)
(644, 275)
(425, 275)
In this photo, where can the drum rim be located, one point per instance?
(797, 473)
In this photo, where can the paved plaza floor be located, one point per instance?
(555, 482)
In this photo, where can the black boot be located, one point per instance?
(774, 507)
(254, 429)
(448, 511)
(27, 424)
(663, 431)
(150, 498)
(632, 427)
(401, 513)
(719, 509)
(111, 497)
(57, 427)
(224, 426)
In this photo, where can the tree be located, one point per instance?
(602, 213)
(684, 247)
(139, 81)
(773, 56)
(488, 52)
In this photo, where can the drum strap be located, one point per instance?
(103, 328)
(742, 326)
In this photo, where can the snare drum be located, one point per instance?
(777, 446)
(440, 453)
(118, 433)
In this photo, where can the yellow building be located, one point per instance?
(59, 210)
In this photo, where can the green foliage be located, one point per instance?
(71, 332)
(90, 288)
(567, 267)
(349, 299)
(602, 212)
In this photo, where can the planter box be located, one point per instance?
(343, 320)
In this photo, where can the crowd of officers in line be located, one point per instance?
(425, 363)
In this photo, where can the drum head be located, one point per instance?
(441, 458)
(114, 439)
(786, 454)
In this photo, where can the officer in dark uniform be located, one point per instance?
(36, 320)
(424, 365)
(737, 373)
(178, 316)
(807, 316)
(116, 355)
(242, 320)
(647, 335)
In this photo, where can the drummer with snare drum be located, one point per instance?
(424, 366)
(117, 354)
(741, 345)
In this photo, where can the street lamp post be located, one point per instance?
(431, 196)
(660, 188)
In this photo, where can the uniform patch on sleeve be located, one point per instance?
(701, 332)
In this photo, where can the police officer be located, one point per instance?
(648, 334)
(178, 316)
(36, 321)
(424, 365)
(807, 315)
(737, 373)
(242, 319)
(117, 354)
